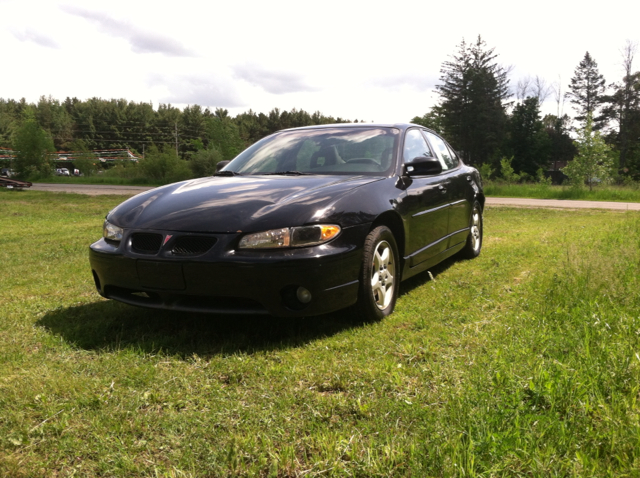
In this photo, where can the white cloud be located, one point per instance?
(206, 90)
(141, 41)
(272, 81)
(29, 35)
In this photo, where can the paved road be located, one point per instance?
(95, 190)
(563, 203)
(90, 189)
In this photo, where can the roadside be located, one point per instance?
(90, 189)
(563, 203)
(101, 189)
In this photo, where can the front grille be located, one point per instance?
(192, 245)
(146, 243)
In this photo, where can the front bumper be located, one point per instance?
(227, 280)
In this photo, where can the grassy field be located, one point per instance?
(541, 191)
(522, 362)
(494, 189)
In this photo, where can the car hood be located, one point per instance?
(241, 204)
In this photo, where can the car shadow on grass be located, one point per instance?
(108, 326)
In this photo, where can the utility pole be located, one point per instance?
(176, 123)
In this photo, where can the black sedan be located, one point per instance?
(304, 222)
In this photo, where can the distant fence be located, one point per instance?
(103, 155)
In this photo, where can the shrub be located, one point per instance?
(506, 171)
(164, 165)
(542, 178)
(203, 162)
(486, 171)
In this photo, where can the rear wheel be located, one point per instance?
(474, 241)
(379, 275)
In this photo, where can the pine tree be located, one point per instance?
(472, 92)
(528, 141)
(586, 90)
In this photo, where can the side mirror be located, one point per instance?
(221, 165)
(423, 166)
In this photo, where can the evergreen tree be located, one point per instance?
(472, 93)
(586, 90)
(527, 141)
(561, 147)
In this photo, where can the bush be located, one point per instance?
(203, 162)
(486, 171)
(164, 165)
(507, 172)
(542, 178)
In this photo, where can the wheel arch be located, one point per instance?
(394, 222)
(481, 199)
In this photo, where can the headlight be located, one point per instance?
(290, 237)
(111, 232)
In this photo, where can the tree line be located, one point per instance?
(97, 123)
(477, 113)
(479, 116)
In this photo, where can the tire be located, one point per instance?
(474, 242)
(379, 276)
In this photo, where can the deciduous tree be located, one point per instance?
(433, 120)
(594, 162)
(33, 147)
(623, 107)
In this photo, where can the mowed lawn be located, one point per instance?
(522, 362)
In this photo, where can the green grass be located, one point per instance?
(522, 362)
(492, 189)
(540, 191)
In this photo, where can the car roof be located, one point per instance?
(400, 126)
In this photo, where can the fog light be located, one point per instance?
(303, 295)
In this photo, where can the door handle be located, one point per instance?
(442, 188)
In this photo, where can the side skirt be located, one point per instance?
(423, 266)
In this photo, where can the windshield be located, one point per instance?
(367, 151)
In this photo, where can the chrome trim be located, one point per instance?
(438, 208)
(343, 285)
(430, 210)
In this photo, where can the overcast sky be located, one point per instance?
(367, 60)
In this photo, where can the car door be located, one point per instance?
(425, 206)
(459, 190)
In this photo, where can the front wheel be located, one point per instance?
(379, 275)
(474, 241)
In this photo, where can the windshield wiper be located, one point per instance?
(289, 173)
(226, 173)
